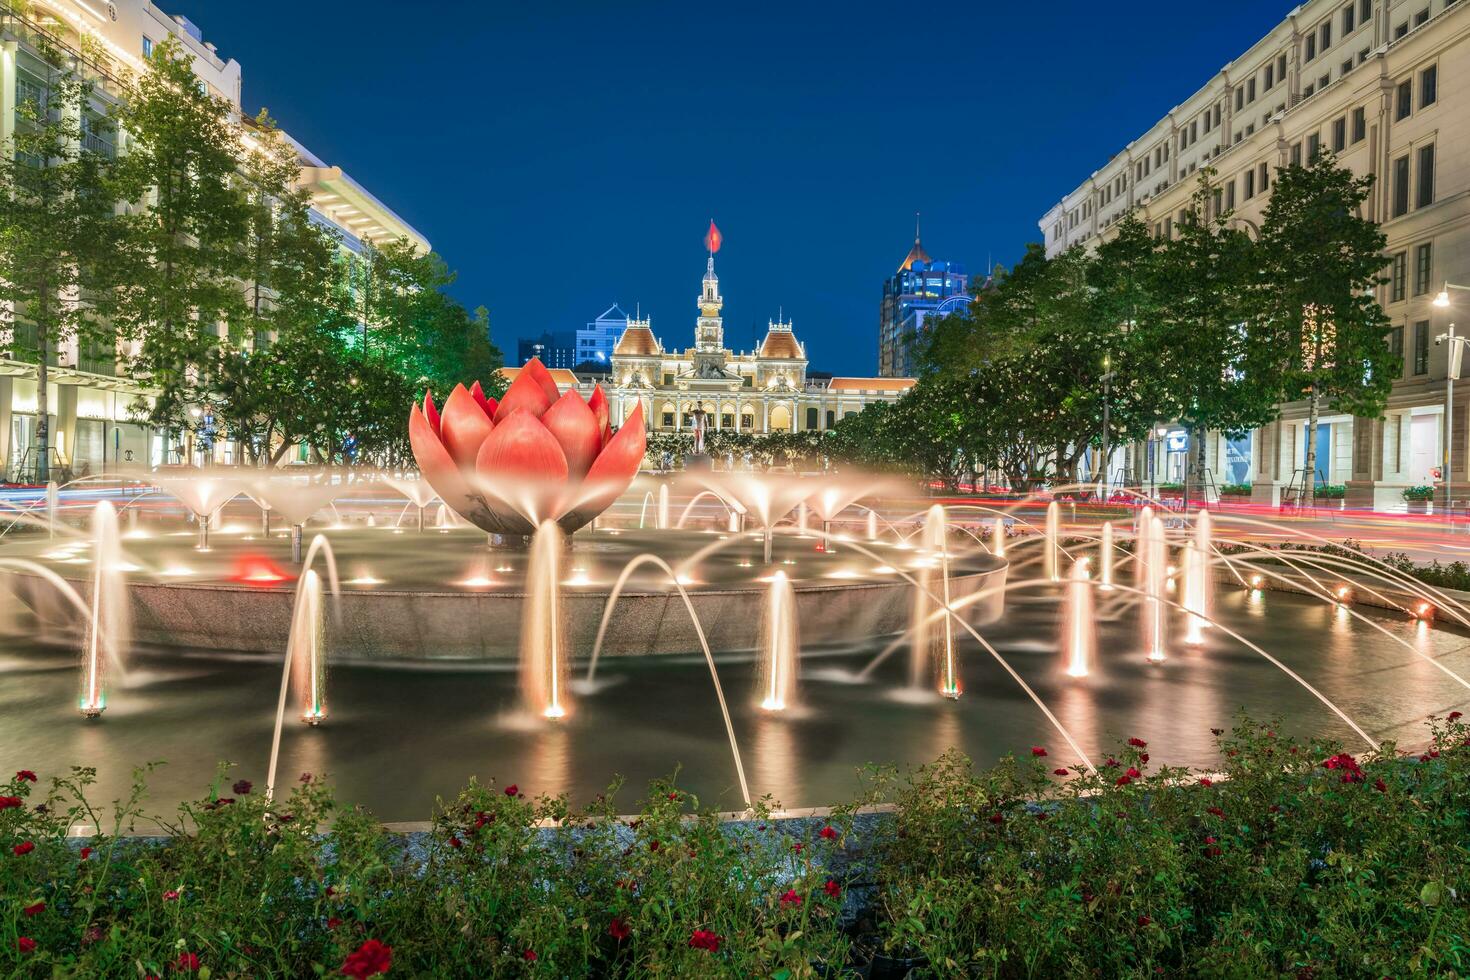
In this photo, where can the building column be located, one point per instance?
(7, 395)
(1268, 445)
(1367, 468)
(65, 437)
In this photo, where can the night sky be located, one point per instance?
(565, 156)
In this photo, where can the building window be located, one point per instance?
(1426, 177)
(1230, 195)
(831, 418)
(811, 418)
(1281, 67)
(1349, 18)
(1326, 35)
(1365, 11)
(1250, 184)
(1339, 135)
(1421, 17)
(147, 46)
(1307, 92)
(1421, 347)
(1396, 344)
(1360, 124)
(1398, 278)
(1270, 76)
(1314, 145)
(1311, 46)
(1296, 154)
(1401, 30)
(1428, 86)
(1265, 177)
(668, 420)
(1250, 90)
(1240, 98)
(1401, 186)
(747, 422)
(1423, 268)
(1404, 101)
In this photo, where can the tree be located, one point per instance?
(1203, 336)
(188, 220)
(57, 223)
(1320, 320)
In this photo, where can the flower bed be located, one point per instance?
(1298, 858)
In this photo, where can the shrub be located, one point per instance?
(1419, 493)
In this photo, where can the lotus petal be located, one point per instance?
(576, 430)
(430, 412)
(478, 394)
(525, 394)
(440, 470)
(464, 427)
(611, 472)
(492, 405)
(598, 404)
(522, 448)
(542, 377)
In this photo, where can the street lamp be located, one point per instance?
(1107, 382)
(1454, 354)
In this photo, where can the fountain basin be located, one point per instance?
(419, 608)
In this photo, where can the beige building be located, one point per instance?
(760, 391)
(1384, 84)
(92, 428)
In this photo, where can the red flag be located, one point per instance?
(713, 238)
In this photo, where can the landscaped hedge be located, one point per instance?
(1297, 859)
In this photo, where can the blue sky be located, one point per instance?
(565, 156)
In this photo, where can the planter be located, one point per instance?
(1417, 506)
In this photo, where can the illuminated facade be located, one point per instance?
(921, 288)
(760, 391)
(91, 427)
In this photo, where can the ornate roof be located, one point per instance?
(781, 344)
(916, 254)
(637, 341)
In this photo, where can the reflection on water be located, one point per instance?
(399, 737)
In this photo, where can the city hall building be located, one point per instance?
(1385, 85)
(760, 391)
(93, 429)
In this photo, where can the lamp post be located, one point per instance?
(1454, 353)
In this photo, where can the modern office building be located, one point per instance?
(595, 342)
(921, 288)
(1385, 85)
(93, 429)
(556, 348)
(761, 391)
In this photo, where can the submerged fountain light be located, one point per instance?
(1343, 594)
(1257, 582)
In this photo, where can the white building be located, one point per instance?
(92, 429)
(761, 391)
(1385, 84)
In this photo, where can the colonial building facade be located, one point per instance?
(760, 391)
(1385, 85)
(93, 429)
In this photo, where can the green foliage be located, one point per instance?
(1419, 493)
(1294, 858)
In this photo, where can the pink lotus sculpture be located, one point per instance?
(535, 455)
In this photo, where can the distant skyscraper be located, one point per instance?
(921, 288)
(556, 349)
(596, 341)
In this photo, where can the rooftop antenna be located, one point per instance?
(916, 227)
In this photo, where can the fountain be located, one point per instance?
(307, 648)
(1196, 574)
(779, 646)
(418, 492)
(1078, 630)
(1105, 557)
(108, 625)
(203, 493)
(661, 512)
(872, 524)
(932, 643)
(296, 500)
(998, 538)
(1153, 554)
(543, 661)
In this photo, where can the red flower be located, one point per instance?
(187, 961)
(1144, 920)
(1206, 781)
(1059, 772)
(798, 847)
(1137, 743)
(368, 960)
(1038, 750)
(305, 777)
(242, 787)
(996, 818)
(333, 922)
(618, 929)
(1217, 731)
(24, 847)
(171, 896)
(537, 454)
(673, 796)
(1381, 786)
(25, 944)
(653, 845)
(827, 833)
(1133, 773)
(512, 790)
(704, 939)
(530, 956)
(456, 843)
(86, 853)
(1143, 757)
(9, 802)
(30, 777)
(1111, 763)
(1123, 781)
(1216, 811)
(1453, 716)
(35, 909)
(790, 898)
(832, 889)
